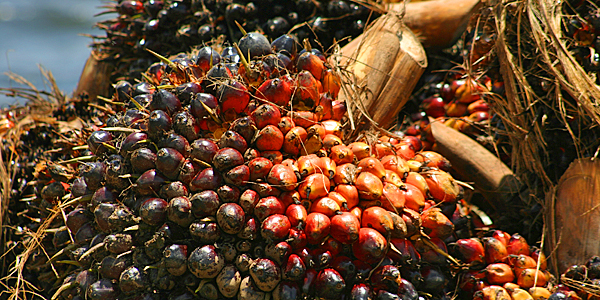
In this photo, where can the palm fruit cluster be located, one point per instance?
(579, 281)
(582, 29)
(173, 26)
(218, 182)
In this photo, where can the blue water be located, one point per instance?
(46, 33)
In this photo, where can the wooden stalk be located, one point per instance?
(95, 78)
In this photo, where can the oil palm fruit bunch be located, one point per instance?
(173, 26)
(582, 29)
(228, 175)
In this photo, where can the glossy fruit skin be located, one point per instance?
(371, 245)
(377, 218)
(499, 273)
(270, 138)
(345, 228)
(275, 227)
(231, 218)
(268, 206)
(470, 250)
(317, 228)
(205, 262)
(495, 251)
(297, 214)
(329, 284)
(266, 274)
(153, 211)
(283, 177)
(369, 186)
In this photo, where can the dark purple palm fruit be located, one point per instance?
(168, 162)
(199, 104)
(387, 278)
(175, 259)
(112, 266)
(266, 274)
(287, 290)
(177, 142)
(85, 233)
(121, 218)
(159, 123)
(123, 91)
(231, 218)
(254, 44)
(132, 281)
(93, 173)
(232, 139)
(149, 183)
(207, 57)
(226, 159)
(165, 101)
(133, 118)
(98, 140)
(205, 262)
(204, 150)
(173, 189)
(53, 192)
(228, 281)
(142, 88)
(285, 44)
(142, 99)
(230, 54)
(76, 218)
(85, 278)
(116, 168)
(154, 211)
(249, 290)
(118, 243)
(103, 195)
(179, 211)
(216, 74)
(207, 179)
(278, 252)
(61, 238)
(102, 289)
(238, 176)
(205, 203)
(276, 26)
(185, 124)
(205, 231)
(407, 290)
(244, 126)
(229, 193)
(79, 188)
(294, 268)
(101, 214)
(345, 267)
(188, 171)
(329, 284)
(186, 91)
(142, 160)
(434, 281)
(133, 141)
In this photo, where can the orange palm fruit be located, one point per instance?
(369, 186)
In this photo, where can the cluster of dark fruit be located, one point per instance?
(222, 180)
(582, 28)
(579, 281)
(173, 26)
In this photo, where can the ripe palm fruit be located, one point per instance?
(265, 274)
(370, 247)
(442, 187)
(495, 251)
(436, 224)
(314, 186)
(377, 218)
(469, 250)
(344, 228)
(499, 273)
(329, 284)
(269, 138)
(369, 186)
(282, 177)
(317, 228)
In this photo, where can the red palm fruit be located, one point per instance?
(282, 177)
(529, 278)
(344, 228)
(275, 227)
(269, 138)
(297, 238)
(309, 164)
(404, 252)
(492, 292)
(248, 200)
(414, 142)
(233, 95)
(433, 160)
(232, 139)
(297, 214)
(266, 114)
(331, 140)
(434, 106)
(268, 206)
(517, 245)
(207, 179)
(377, 218)
(326, 206)
(393, 178)
(345, 174)
(495, 251)
(468, 280)
(521, 262)
(479, 105)
(539, 257)
(307, 88)
(314, 187)
(294, 141)
(264, 189)
(370, 247)
(259, 168)
(339, 199)
(227, 158)
(274, 156)
(238, 175)
(442, 187)
(312, 63)
(285, 124)
(436, 224)
(479, 116)
(324, 108)
(456, 109)
(321, 256)
(275, 91)
(499, 273)
(316, 129)
(386, 278)
(501, 236)
(349, 192)
(404, 150)
(312, 145)
(373, 166)
(333, 246)
(412, 220)
(469, 250)
(395, 163)
(392, 198)
(303, 118)
(413, 197)
(331, 83)
(418, 181)
(327, 166)
(317, 228)
(290, 197)
(338, 110)
(294, 268)
(333, 127)
(383, 149)
(369, 186)
(329, 284)
(341, 154)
